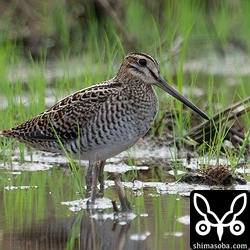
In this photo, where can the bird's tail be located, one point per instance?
(7, 133)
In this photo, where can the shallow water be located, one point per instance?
(42, 208)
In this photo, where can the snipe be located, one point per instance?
(103, 120)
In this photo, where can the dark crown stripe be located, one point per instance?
(135, 54)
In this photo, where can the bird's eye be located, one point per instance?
(142, 62)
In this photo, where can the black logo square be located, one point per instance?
(220, 219)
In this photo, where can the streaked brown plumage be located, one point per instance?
(103, 120)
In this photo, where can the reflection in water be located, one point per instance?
(39, 218)
(77, 232)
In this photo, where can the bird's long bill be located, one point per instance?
(166, 87)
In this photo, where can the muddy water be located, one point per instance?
(42, 208)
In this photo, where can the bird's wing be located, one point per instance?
(67, 117)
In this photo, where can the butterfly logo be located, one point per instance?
(203, 227)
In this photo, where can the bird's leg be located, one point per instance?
(94, 182)
(101, 177)
(89, 177)
(125, 204)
